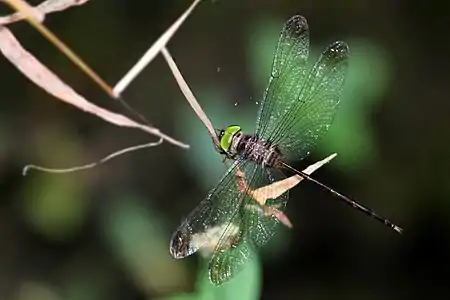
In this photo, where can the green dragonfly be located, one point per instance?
(298, 108)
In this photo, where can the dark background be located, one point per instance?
(104, 233)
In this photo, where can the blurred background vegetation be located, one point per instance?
(104, 233)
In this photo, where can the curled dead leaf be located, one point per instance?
(48, 81)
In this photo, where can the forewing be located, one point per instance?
(215, 211)
(287, 76)
(315, 107)
(262, 223)
(251, 227)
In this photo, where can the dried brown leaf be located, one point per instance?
(154, 49)
(29, 12)
(276, 189)
(189, 95)
(41, 10)
(47, 80)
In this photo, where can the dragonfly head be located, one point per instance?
(226, 137)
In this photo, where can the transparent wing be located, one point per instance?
(214, 212)
(315, 107)
(251, 227)
(287, 76)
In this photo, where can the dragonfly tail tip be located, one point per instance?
(398, 229)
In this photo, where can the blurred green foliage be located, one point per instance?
(351, 135)
(246, 285)
(56, 206)
(138, 238)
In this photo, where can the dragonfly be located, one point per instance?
(297, 109)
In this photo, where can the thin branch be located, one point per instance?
(94, 164)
